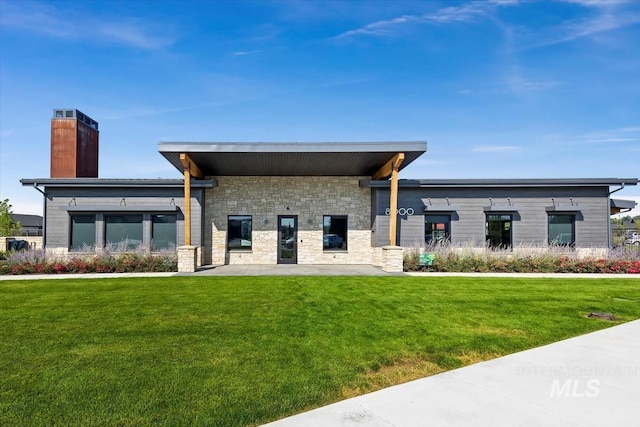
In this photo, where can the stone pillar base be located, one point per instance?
(392, 259)
(187, 259)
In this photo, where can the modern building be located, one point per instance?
(310, 203)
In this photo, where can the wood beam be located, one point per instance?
(187, 207)
(190, 169)
(386, 170)
(189, 164)
(393, 199)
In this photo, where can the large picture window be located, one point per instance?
(83, 232)
(334, 232)
(437, 229)
(562, 229)
(239, 232)
(163, 231)
(123, 232)
(499, 231)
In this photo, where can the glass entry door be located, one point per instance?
(287, 239)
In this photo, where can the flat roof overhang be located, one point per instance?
(291, 159)
(502, 183)
(619, 205)
(113, 183)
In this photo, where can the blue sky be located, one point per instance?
(499, 89)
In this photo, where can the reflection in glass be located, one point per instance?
(83, 232)
(334, 232)
(498, 231)
(287, 237)
(562, 230)
(123, 232)
(163, 231)
(437, 229)
(239, 232)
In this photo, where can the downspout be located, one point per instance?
(609, 233)
(44, 214)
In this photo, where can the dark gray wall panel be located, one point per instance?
(60, 200)
(468, 221)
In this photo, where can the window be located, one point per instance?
(123, 232)
(163, 231)
(239, 232)
(83, 232)
(437, 229)
(498, 231)
(334, 232)
(562, 230)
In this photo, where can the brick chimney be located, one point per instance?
(74, 145)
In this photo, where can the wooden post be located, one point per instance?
(187, 207)
(391, 169)
(393, 207)
(190, 169)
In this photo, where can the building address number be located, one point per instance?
(401, 211)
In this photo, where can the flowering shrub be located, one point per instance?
(105, 261)
(523, 260)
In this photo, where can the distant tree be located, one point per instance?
(8, 227)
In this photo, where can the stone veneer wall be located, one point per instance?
(308, 197)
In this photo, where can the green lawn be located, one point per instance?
(246, 350)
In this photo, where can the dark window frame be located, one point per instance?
(571, 244)
(116, 245)
(95, 220)
(152, 216)
(239, 218)
(447, 232)
(508, 245)
(334, 244)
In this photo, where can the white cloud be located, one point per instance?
(46, 20)
(606, 20)
(612, 136)
(467, 12)
(494, 149)
(519, 85)
(597, 3)
(245, 52)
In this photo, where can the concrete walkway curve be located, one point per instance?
(591, 381)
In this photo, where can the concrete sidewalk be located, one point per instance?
(293, 270)
(591, 380)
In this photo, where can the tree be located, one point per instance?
(8, 227)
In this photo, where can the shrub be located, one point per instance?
(89, 261)
(554, 259)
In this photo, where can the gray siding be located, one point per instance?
(60, 200)
(468, 220)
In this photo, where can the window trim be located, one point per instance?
(447, 238)
(95, 228)
(345, 242)
(511, 221)
(241, 248)
(115, 245)
(573, 229)
(151, 223)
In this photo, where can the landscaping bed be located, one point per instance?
(553, 260)
(41, 262)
